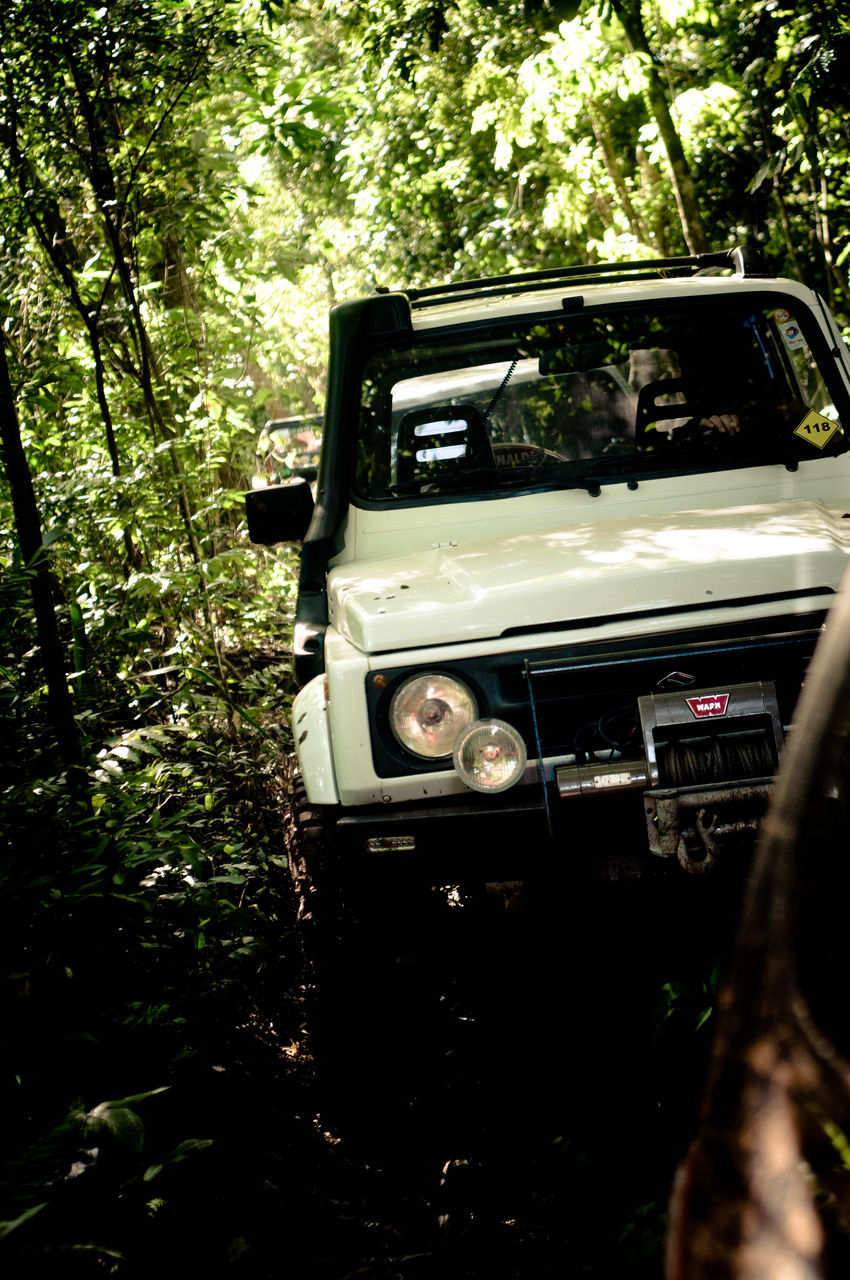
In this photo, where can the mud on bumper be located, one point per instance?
(688, 830)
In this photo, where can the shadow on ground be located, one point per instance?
(489, 1092)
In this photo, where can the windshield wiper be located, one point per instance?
(448, 482)
(452, 481)
(488, 478)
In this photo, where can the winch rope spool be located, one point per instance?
(717, 758)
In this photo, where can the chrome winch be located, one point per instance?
(709, 756)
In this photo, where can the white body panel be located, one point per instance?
(597, 573)
(481, 586)
(496, 306)
(313, 742)
(372, 534)
(430, 582)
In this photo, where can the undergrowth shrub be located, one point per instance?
(145, 925)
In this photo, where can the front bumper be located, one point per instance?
(683, 800)
(657, 832)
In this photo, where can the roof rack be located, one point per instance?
(744, 261)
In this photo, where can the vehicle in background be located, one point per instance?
(289, 449)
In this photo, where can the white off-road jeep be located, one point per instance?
(574, 539)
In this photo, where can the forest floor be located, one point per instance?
(491, 1087)
(501, 1094)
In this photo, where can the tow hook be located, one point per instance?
(710, 852)
(678, 818)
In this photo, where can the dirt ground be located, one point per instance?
(484, 1093)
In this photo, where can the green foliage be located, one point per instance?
(95, 1168)
(186, 188)
(522, 138)
(144, 914)
(684, 1007)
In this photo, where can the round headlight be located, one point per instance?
(428, 712)
(490, 756)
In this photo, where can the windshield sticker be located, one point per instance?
(781, 316)
(792, 335)
(817, 429)
(517, 455)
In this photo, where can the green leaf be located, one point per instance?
(767, 171)
(188, 1148)
(10, 1225)
(119, 1124)
(135, 1098)
(53, 535)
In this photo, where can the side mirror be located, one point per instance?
(280, 513)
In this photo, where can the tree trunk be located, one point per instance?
(28, 528)
(769, 142)
(50, 231)
(764, 1191)
(651, 179)
(615, 173)
(631, 20)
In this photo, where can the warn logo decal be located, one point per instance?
(708, 704)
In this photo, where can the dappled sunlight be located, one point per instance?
(280, 992)
(698, 537)
(591, 570)
(633, 561)
(708, 545)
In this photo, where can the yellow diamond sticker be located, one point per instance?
(816, 429)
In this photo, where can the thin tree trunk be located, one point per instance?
(28, 528)
(104, 188)
(615, 173)
(132, 557)
(784, 222)
(769, 140)
(650, 179)
(51, 233)
(684, 190)
(112, 209)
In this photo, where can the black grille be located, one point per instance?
(585, 697)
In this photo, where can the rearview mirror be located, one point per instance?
(580, 358)
(280, 513)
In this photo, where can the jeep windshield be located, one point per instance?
(599, 397)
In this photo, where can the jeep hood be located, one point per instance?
(477, 590)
